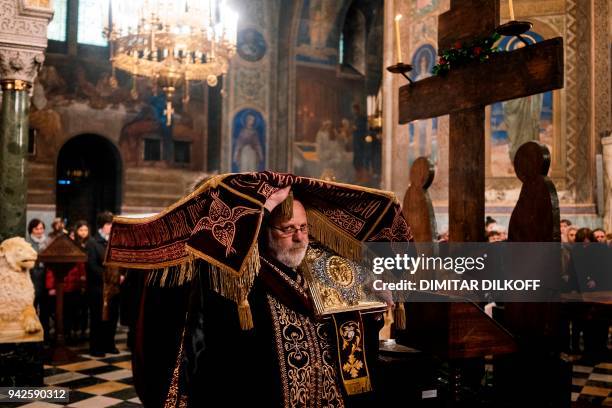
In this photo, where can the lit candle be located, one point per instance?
(511, 10)
(397, 38)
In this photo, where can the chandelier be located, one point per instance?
(171, 42)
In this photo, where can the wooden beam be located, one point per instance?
(474, 19)
(507, 75)
(466, 177)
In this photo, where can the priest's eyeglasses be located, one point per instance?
(290, 230)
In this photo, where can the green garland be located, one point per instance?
(464, 53)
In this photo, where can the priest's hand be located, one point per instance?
(387, 297)
(277, 198)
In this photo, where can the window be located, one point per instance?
(57, 27)
(341, 50)
(182, 152)
(32, 133)
(93, 18)
(352, 45)
(152, 150)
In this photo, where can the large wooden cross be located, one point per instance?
(464, 92)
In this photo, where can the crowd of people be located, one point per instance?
(91, 291)
(586, 267)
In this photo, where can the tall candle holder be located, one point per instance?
(515, 29)
(401, 68)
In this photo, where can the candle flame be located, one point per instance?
(398, 17)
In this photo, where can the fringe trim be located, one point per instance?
(399, 316)
(328, 234)
(286, 208)
(236, 288)
(173, 276)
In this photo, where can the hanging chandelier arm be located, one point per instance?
(171, 46)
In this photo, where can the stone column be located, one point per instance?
(18, 68)
(13, 150)
(607, 160)
(23, 40)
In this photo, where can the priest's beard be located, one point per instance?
(292, 256)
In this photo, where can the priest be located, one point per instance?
(252, 331)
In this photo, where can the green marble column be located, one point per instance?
(13, 150)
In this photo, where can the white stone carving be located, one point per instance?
(20, 64)
(23, 38)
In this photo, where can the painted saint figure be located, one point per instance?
(522, 120)
(248, 153)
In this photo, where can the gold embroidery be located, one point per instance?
(351, 353)
(351, 336)
(300, 288)
(397, 232)
(353, 366)
(222, 221)
(335, 283)
(307, 373)
(330, 390)
(340, 271)
(175, 399)
(345, 220)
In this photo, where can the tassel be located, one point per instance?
(332, 237)
(245, 315)
(399, 316)
(287, 207)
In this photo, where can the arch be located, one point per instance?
(89, 173)
(423, 61)
(283, 115)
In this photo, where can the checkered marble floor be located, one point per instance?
(107, 382)
(94, 382)
(592, 386)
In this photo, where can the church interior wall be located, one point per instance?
(74, 94)
(334, 50)
(577, 119)
(250, 90)
(286, 78)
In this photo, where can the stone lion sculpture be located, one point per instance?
(17, 311)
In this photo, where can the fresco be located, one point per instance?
(248, 141)
(332, 137)
(422, 7)
(69, 98)
(423, 134)
(319, 33)
(518, 121)
(251, 45)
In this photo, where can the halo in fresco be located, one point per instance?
(251, 45)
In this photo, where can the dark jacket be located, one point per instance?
(96, 249)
